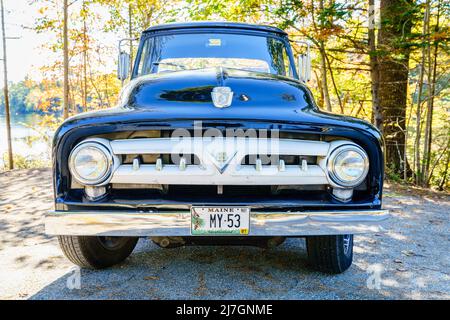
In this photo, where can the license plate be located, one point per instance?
(220, 221)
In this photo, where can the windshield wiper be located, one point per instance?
(170, 64)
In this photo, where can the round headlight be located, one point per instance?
(90, 163)
(348, 165)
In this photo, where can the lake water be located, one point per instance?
(26, 141)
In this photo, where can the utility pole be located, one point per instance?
(66, 62)
(6, 94)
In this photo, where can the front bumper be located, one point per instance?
(178, 223)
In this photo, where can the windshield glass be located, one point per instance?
(168, 53)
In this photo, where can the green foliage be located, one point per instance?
(337, 30)
(393, 175)
(18, 94)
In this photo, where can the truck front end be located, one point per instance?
(215, 138)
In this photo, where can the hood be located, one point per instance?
(191, 89)
(185, 96)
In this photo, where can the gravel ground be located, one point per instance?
(411, 260)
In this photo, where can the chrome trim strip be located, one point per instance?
(220, 161)
(109, 223)
(214, 170)
(200, 145)
(246, 174)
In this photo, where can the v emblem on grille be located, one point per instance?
(221, 159)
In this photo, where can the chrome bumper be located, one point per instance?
(106, 223)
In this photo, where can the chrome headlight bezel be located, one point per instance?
(331, 166)
(108, 158)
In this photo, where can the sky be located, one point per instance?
(23, 54)
(26, 55)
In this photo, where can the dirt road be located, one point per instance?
(410, 261)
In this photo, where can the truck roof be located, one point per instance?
(213, 24)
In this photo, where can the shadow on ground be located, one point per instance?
(410, 261)
(211, 273)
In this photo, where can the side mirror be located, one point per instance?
(304, 64)
(123, 69)
(304, 67)
(123, 66)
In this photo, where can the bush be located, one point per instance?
(21, 162)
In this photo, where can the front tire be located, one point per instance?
(330, 254)
(96, 252)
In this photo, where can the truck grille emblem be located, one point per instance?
(222, 97)
(221, 156)
(222, 159)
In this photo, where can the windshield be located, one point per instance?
(168, 53)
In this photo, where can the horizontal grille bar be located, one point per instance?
(221, 161)
(197, 145)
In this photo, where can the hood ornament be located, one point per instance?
(222, 97)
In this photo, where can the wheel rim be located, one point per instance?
(346, 242)
(111, 243)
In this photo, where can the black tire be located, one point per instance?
(96, 252)
(330, 254)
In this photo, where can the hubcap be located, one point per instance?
(111, 243)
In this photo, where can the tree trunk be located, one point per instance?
(6, 93)
(374, 69)
(130, 35)
(430, 102)
(319, 87)
(417, 156)
(334, 84)
(393, 61)
(443, 181)
(66, 61)
(324, 82)
(323, 65)
(85, 60)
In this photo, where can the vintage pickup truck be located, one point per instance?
(216, 140)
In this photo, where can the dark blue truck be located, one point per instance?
(215, 140)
